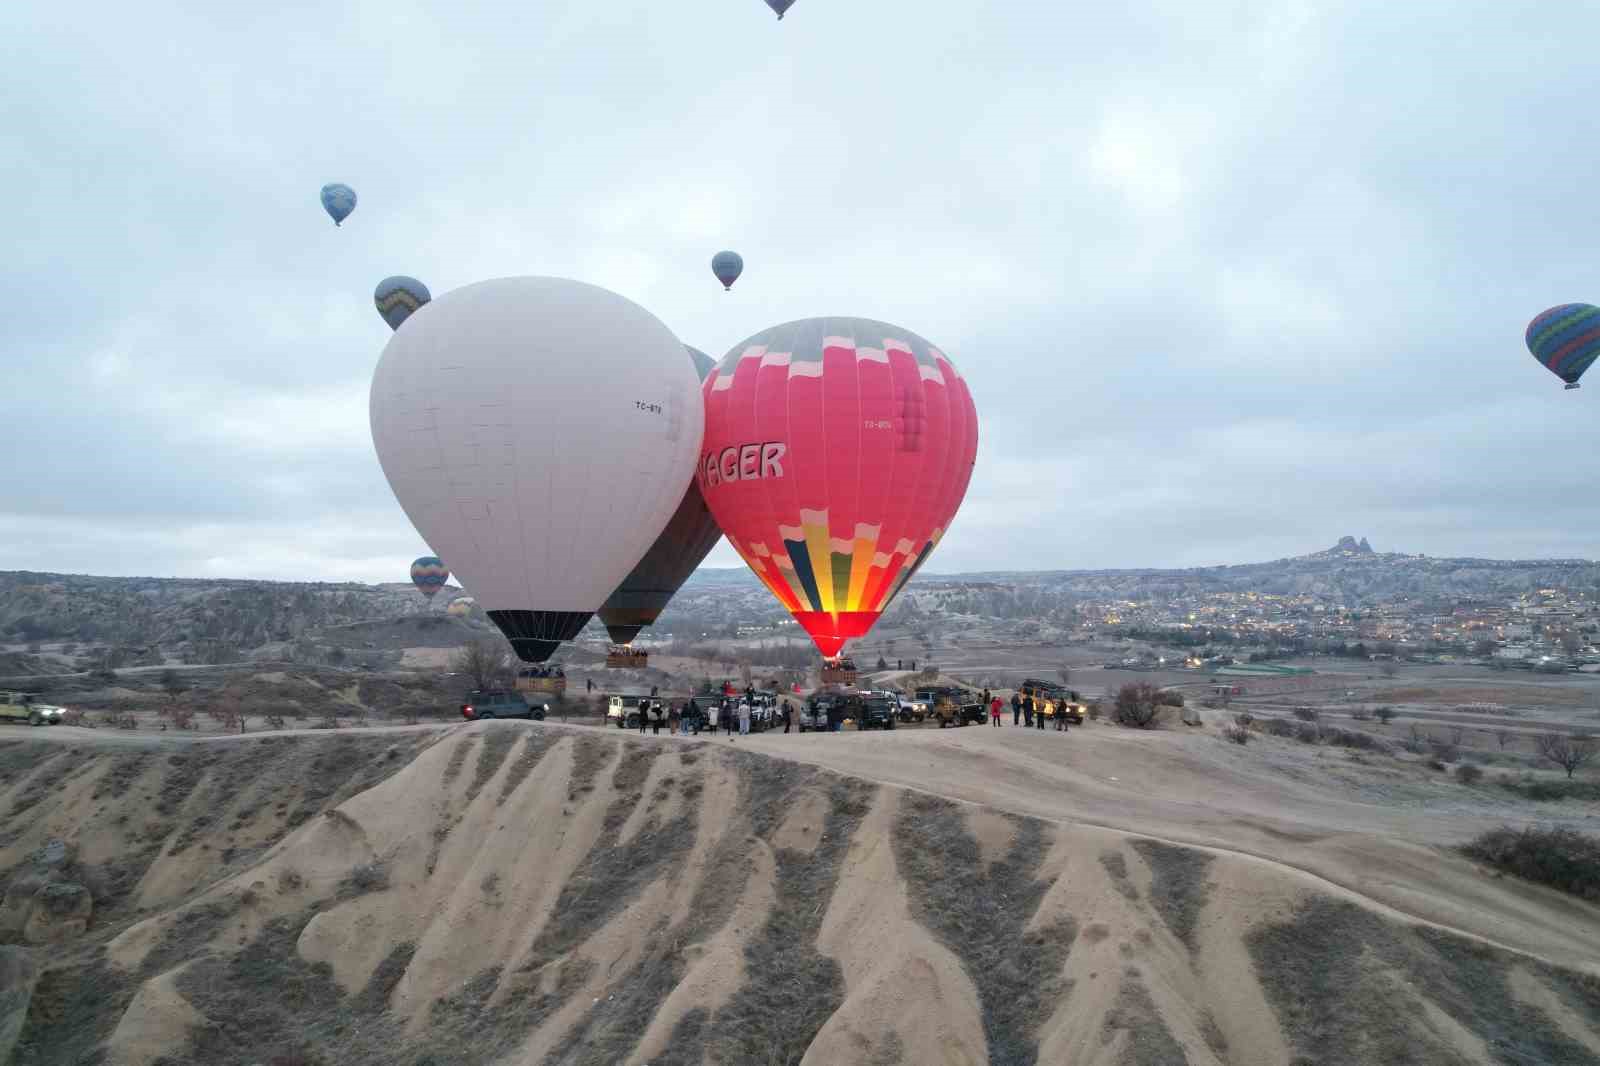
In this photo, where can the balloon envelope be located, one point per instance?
(397, 297)
(727, 266)
(690, 535)
(338, 200)
(837, 451)
(539, 432)
(1565, 340)
(780, 6)
(461, 606)
(429, 575)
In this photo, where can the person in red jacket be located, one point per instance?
(994, 711)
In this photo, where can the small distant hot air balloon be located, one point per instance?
(780, 6)
(397, 297)
(461, 606)
(429, 575)
(727, 266)
(1565, 340)
(836, 453)
(338, 200)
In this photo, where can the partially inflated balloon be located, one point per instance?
(1565, 340)
(397, 297)
(727, 266)
(338, 200)
(461, 606)
(690, 535)
(780, 6)
(837, 451)
(539, 433)
(429, 575)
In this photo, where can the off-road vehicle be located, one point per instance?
(24, 706)
(489, 703)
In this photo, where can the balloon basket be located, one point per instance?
(1572, 385)
(620, 658)
(839, 671)
(546, 680)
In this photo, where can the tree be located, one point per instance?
(1138, 705)
(483, 662)
(1483, 649)
(1504, 736)
(1384, 714)
(172, 685)
(1570, 752)
(883, 664)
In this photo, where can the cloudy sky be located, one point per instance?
(1228, 280)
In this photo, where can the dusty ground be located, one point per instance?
(516, 893)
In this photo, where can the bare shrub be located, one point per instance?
(1277, 727)
(1244, 719)
(1416, 741)
(1094, 710)
(1504, 737)
(1237, 733)
(1571, 752)
(1458, 734)
(1468, 774)
(484, 663)
(1443, 750)
(1307, 733)
(1361, 714)
(1562, 858)
(1305, 714)
(1138, 705)
(276, 721)
(1384, 714)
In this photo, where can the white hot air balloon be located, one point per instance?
(539, 433)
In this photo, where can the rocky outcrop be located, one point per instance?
(43, 904)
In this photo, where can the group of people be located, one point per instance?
(1025, 711)
(551, 670)
(683, 717)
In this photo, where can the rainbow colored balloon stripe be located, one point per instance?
(836, 453)
(429, 575)
(1566, 339)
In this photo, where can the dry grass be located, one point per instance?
(981, 914)
(1149, 1041)
(1178, 885)
(1334, 971)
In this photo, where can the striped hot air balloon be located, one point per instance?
(1565, 340)
(396, 297)
(429, 575)
(837, 451)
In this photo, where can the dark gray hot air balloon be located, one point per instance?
(690, 535)
(727, 266)
(338, 200)
(398, 296)
(780, 6)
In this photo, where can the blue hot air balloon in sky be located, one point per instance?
(1565, 340)
(727, 266)
(398, 296)
(338, 200)
(780, 6)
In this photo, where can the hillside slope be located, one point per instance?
(511, 893)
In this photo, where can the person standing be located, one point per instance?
(1027, 711)
(644, 716)
(674, 718)
(994, 712)
(744, 718)
(1061, 716)
(1038, 715)
(788, 714)
(655, 717)
(711, 717)
(1016, 709)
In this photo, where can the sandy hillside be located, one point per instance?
(520, 893)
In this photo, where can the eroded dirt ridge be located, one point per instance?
(516, 893)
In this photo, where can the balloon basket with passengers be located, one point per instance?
(624, 657)
(546, 679)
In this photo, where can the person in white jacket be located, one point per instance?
(744, 718)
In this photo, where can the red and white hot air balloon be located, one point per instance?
(837, 451)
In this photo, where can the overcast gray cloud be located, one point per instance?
(1227, 280)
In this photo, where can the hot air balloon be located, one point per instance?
(429, 575)
(837, 451)
(338, 200)
(780, 6)
(397, 297)
(1565, 340)
(727, 266)
(690, 535)
(539, 432)
(461, 606)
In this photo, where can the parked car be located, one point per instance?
(874, 711)
(625, 710)
(960, 714)
(483, 704)
(23, 706)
